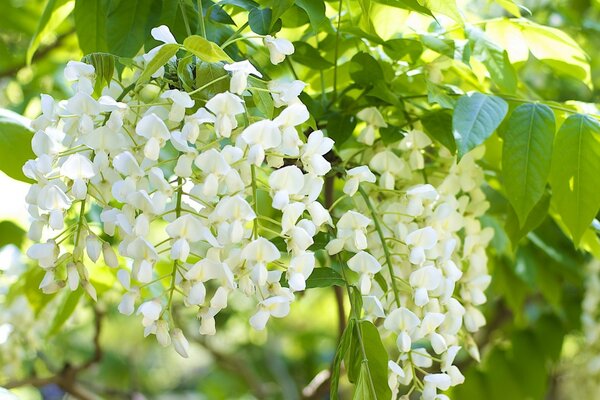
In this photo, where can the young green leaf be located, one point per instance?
(342, 349)
(526, 156)
(438, 126)
(377, 359)
(476, 117)
(494, 58)
(260, 20)
(65, 309)
(574, 175)
(104, 65)
(15, 147)
(163, 56)
(54, 14)
(364, 389)
(205, 50)
(324, 277)
(446, 7)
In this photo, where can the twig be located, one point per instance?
(66, 379)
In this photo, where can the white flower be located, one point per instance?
(285, 182)
(180, 343)
(258, 254)
(404, 322)
(225, 106)
(163, 34)
(150, 311)
(285, 93)
(313, 151)
(419, 241)
(185, 230)
(351, 233)
(240, 72)
(355, 176)
(181, 101)
(424, 280)
(277, 306)
(278, 48)
(79, 169)
(260, 136)
(301, 266)
(154, 129)
(374, 121)
(367, 266)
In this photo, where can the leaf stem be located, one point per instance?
(185, 20)
(201, 19)
(386, 251)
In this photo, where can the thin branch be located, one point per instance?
(11, 72)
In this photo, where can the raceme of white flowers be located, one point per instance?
(420, 225)
(178, 186)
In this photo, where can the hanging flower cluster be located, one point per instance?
(207, 196)
(417, 225)
(192, 171)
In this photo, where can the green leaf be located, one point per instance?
(10, 233)
(536, 216)
(475, 118)
(55, 12)
(439, 94)
(364, 387)
(31, 281)
(377, 359)
(126, 26)
(342, 349)
(526, 156)
(209, 72)
(324, 277)
(90, 24)
(104, 64)
(574, 174)
(307, 55)
(412, 5)
(163, 56)
(315, 9)
(557, 49)
(399, 48)
(511, 7)
(263, 101)
(438, 126)
(364, 69)
(494, 58)
(340, 127)
(204, 49)
(65, 310)
(448, 47)
(446, 7)
(15, 147)
(260, 20)
(243, 4)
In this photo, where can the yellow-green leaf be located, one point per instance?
(205, 50)
(163, 55)
(54, 14)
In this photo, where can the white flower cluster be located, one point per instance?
(190, 169)
(419, 229)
